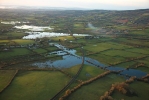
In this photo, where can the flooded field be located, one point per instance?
(74, 55)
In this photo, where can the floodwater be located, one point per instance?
(14, 22)
(71, 59)
(34, 35)
(38, 31)
(33, 28)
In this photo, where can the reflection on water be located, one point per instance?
(130, 72)
(36, 31)
(34, 35)
(33, 28)
(71, 59)
(68, 61)
(13, 22)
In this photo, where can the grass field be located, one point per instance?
(89, 72)
(145, 61)
(72, 70)
(113, 45)
(62, 38)
(14, 52)
(94, 90)
(5, 77)
(35, 85)
(94, 47)
(127, 64)
(139, 50)
(23, 42)
(51, 48)
(144, 69)
(86, 73)
(4, 41)
(15, 34)
(107, 59)
(40, 50)
(112, 41)
(121, 53)
(78, 25)
(142, 89)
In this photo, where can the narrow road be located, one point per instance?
(72, 80)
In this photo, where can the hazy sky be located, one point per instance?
(91, 4)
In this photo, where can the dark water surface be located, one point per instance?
(71, 59)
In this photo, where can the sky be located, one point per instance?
(89, 4)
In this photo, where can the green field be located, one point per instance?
(35, 85)
(86, 73)
(89, 72)
(145, 61)
(4, 41)
(115, 39)
(107, 59)
(52, 48)
(94, 90)
(144, 69)
(121, 53)
(40, 50)
(62, 38)
(14, 52)
(127, 64)
(5, 77)
(139, 50)
(23, 42)
(95, 47)
(15, 34)
(72, 70)
(139, 87)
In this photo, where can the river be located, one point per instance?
(71, 59)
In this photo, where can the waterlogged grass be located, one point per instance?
(35, 85)
(79, 51)
(40, 50)
(86, 73)
(94, 90)
(23, 42)
(144, 69)
(141, 88)
(5, 77)
(89, 72)
(72, 70)
(127, 64)
(14, 52)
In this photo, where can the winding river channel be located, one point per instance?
(69, 55)
(71, 59)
